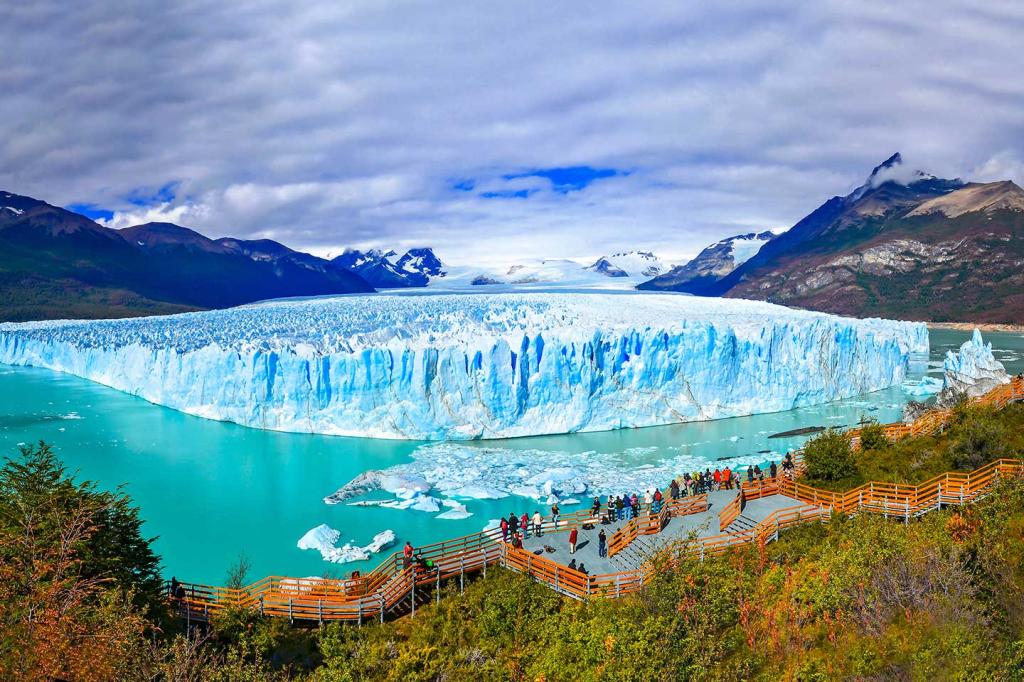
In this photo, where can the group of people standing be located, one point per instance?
(516, 528)
(707, 481)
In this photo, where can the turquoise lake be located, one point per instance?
(212, 491)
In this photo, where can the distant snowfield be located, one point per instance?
(463, 366)
(528, 275)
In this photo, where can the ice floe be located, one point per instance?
(324, 539)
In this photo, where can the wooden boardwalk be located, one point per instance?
(701, 525)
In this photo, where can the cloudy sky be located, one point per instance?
(497, 131)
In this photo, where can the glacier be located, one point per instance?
(469, 366)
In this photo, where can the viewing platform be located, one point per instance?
(696, 526)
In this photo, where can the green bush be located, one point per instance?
(828, 457)
(978, 438)
(872, 436)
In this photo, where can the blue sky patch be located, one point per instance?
(145, 197)
(91, 211)
(570, 178)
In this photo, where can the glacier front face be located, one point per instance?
(446, 367)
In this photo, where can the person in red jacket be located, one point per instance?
(524, 525)
(718, 479)
(572, 541)
(727, 477)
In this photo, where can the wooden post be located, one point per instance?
(412, 591)
(290, 619)
(437, 588)
(359, 614)
(320, 610)
(381, 594)
(462, 573)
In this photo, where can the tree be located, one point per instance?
(73, 571)
(979, 438)
(872, 436)
(828, 457)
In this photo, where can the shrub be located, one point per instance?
(828, 457)
(979, 438)
(872, 436)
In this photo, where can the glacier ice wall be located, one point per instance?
(477, 365)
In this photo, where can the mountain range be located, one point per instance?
(58, 264)
(903, 245)
(711, 265)
(388, 270)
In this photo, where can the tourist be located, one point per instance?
(177, 591)
(602, 544)
(718, 479)
(554, 514)
(524, 523)
(634, 506)
(688, 483)
(572, 564)
(619, 508)
(517, 540)
(750, 474)
(708, 479)
(513, 523)
(727, 478)
(538, 524)
(611, 509)
(673, 489)
(658, 497)
(758, 474)
(648, 498)
(504, 529)
(595, 509)
(573, 534)
(407, 554)
(774, 470)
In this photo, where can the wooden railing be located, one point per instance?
(935, 421)
(651, 523)
(392, 585)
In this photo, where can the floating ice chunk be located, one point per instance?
(404, 486)
(381, 541)
(478, 492)
(925, 387)
(456, 511)
(323, 538)
(320, 538)
(973, 371)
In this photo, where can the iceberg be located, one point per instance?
(974, 370)
(324, 539)
(473, 366)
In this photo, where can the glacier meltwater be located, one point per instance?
(464, 366)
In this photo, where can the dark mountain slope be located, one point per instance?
(55, 263)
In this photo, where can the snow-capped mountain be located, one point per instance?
(630, 264)
(618, 271)
(712, 264)
(388, 270)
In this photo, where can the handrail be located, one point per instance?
(385, 587)
(731, 511)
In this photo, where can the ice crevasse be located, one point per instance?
(448, 367)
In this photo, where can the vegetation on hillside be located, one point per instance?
(941, 598)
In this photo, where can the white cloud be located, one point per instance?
(328, 124)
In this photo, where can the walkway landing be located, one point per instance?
(700, 525)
